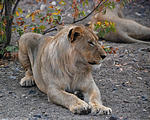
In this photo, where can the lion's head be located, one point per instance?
(85, 42)
(74, 48)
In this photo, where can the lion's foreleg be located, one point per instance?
(94, 97)
(68, 100)
(96, 102)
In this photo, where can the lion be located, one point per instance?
(127, 31)
(62, 64)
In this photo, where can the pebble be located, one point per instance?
(12, 77)
(10, 92)
(114, 88)
(138, 14)
(31, 92)
(1, 95)
(123, 84)
(6, 66)
(88, 11)
(114, 118)
(17, 69)
(139, 78)
(126, 101)
(53, 3)
(37, 116)
(121, 55)
(144, 98)
(125, 119)
(69, 15)
(23, 95)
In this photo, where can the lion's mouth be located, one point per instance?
(92, 63)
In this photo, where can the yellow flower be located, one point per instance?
(99, 23)
(106, 23)
(17, 13)
(56, 13)
(110, 23)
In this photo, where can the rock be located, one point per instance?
(43, 7)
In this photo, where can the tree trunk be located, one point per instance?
(8, 15)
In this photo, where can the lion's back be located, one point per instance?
(29, 39)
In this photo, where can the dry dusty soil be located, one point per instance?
(123, 79)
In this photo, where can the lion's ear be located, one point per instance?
(74, 33)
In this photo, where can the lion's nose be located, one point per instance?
(103, 56)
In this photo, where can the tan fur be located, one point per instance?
(63, 63)
(127, 31)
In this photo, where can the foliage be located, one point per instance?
(9, 52)
(51, 17)
(110, 50)
(41, 20)
(104, 27)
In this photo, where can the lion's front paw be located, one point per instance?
(81, 108)
(27, 81)
(98, 109)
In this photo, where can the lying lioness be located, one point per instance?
(63, 63)
(127, 31)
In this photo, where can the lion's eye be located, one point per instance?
(91, 43)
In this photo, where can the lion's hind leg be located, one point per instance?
(138, 31)
(124, 37)
(28, 80)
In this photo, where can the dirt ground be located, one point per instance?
(123, 79)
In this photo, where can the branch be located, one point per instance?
(54, 28)
(50, 30)
(100, 3)
(14, 9)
